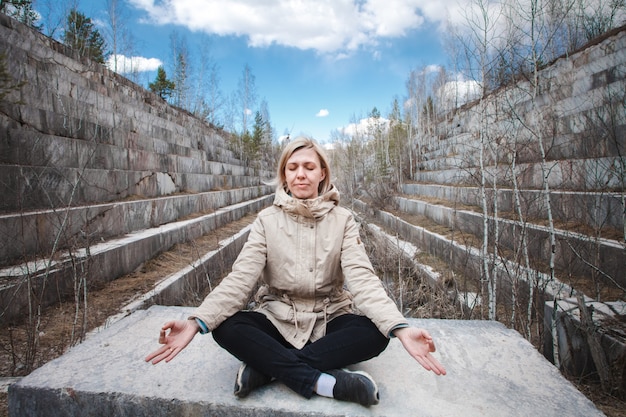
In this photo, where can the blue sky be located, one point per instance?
(319, 64)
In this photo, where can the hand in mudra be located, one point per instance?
(174, 336)
(419, 344)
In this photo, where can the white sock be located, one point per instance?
(325, 385)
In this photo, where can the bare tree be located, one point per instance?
(411, 104)
(607, 145)
(245, 99)
(482, 20)
(182, 70)
(532, 24)
(398, 146)
(349, 159)
(598, 17)
(418, 110)
(118, 37)
(246, 96)
(209, 100)
(53, 15)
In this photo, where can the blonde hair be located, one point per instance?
(302, 142)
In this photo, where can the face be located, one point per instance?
(304, 173)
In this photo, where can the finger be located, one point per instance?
(154, 357)
(430, 363)
(171, 354)
(422, 361)
(158, 355)
(150, 356)
(436, 366)
(169, 325)
(439, 369)
(425, 334)
(431, 346)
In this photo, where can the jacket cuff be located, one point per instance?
(398, 326)
(203, 327)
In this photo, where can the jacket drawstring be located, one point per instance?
(295, 310)
(326, 304)
(289, 301)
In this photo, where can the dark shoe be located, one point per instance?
(355, 386)
(249, 379)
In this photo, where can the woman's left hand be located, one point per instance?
(174, 336)
(419, 344)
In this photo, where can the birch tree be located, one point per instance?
(209, 102)
(246, 96)
(530, 22)
(418, 109)
(481, 24)
(398, 146)
(181, 74)
(115, 27)
(245, 100)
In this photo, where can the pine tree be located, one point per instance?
(82, 37)
(161, 85)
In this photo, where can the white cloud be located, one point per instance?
(365, 127)
(432, 69)
(456, 93)
(327, 26)
(127, 65)
(322, 113)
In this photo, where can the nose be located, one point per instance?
(300, 172)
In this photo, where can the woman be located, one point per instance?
(306, 252)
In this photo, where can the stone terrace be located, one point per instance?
(492, 371)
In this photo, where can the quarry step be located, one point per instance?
(572, 248)
(77, 186)
(492, 371)
(457, 255)
(107, 260)
(565, 174)
(593, 208)
(36, 232)
(156, 155)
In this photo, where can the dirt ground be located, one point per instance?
(62, 326)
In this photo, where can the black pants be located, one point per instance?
(253, 339)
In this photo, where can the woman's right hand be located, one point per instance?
(181, 333)
(420, 345)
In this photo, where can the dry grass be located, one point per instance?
(57, 331)
(436, 304)
(417, 298)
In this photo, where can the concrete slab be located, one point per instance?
(492, 371)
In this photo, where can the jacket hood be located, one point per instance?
(314, 208)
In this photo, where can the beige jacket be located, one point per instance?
(312, 267)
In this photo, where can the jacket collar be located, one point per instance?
(314, 208)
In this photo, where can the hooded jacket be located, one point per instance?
(309, 264)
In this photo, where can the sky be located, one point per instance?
(320, 65)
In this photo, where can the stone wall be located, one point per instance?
(88, 162)
(77, 133)
(578, 110)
